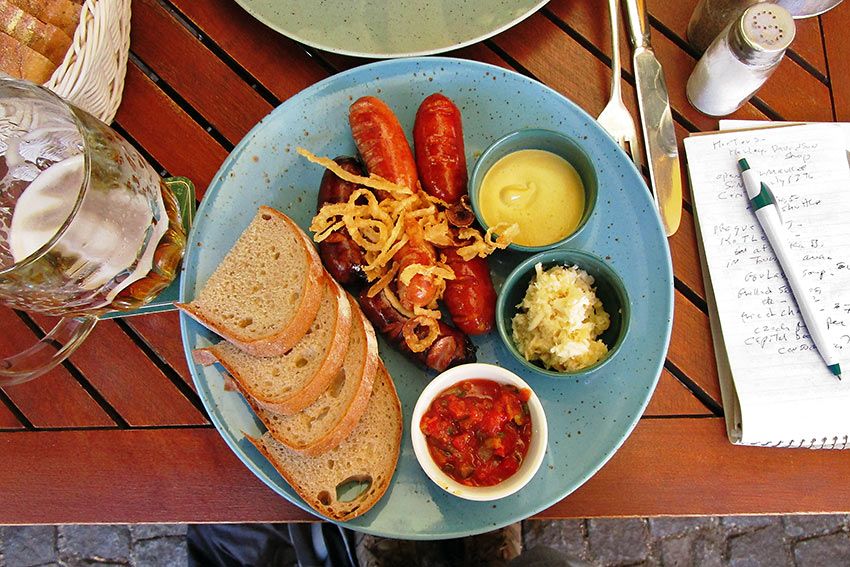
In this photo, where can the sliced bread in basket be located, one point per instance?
(266, 292)
(33, 32)
(367, 457)
(23, 62)
(64, 14)
(291, 382)
(322, 425)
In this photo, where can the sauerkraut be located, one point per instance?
(560, 318)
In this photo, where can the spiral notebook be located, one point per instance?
(775, 387)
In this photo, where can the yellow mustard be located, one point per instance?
(539, 190)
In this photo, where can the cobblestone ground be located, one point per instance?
(734, 541)
(96, 545)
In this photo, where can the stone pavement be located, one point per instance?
(733, 541)
(96, 545)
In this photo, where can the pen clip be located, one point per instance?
(775, 201)
(764, 198)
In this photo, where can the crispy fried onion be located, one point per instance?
(485, 245)
(380, 228)
(420, 332)
(438, 270)
(390, 295)
(461, 213)
(374, 181)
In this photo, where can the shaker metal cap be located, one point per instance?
(767, 27)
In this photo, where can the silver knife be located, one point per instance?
(656, 120)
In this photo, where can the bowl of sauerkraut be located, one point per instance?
(563, 313)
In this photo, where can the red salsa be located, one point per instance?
(478, 431)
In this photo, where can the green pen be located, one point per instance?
(767, 211)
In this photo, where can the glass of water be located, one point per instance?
(86, 224)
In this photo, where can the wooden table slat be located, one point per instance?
(808, 44)
(559, 61)
(149, 399)
(691, 348)
(8, 419)
(173, 139)
(683, 250)
(229, 104)
(671, 397)
(694, 470)
(257, 48)
(835, 25)
(139, 476)
(157, 478)
(162, 332)
(55, 399)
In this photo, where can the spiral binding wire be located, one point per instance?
(837, 442)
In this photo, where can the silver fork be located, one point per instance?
(615, 117)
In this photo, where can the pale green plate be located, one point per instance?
(390, 29)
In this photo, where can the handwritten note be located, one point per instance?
(784, 393)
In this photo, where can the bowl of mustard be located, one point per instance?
(541, 180)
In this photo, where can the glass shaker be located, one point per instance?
(740, 59)
(709, 19)
(711, 16)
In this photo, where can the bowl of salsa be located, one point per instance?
(479, 432)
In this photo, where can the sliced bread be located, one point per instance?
(28, 29)
(265, 293)
(322, 425)
(22, 62)
(64, 14)
(290, 382)
(367, 456)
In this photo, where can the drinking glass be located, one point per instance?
(86, 224)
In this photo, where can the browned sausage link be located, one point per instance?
(440, 158)
(381, 142)
(452, 347)
(422, 288)
(470, 296)
(341, 256)
(438, 143)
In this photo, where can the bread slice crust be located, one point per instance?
(370, 453)
(322, 425)
(325, 359)
(223, 294)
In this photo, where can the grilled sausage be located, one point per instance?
(452, 346)
(381, 142)
(342, 257)
(441, 161)
(438, 143)
(470, 297)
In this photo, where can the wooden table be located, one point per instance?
(117, 434)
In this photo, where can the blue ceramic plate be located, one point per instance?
(588, 420)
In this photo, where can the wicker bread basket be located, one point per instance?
(92, 74)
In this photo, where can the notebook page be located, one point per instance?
(736, 124)
(785, 392)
